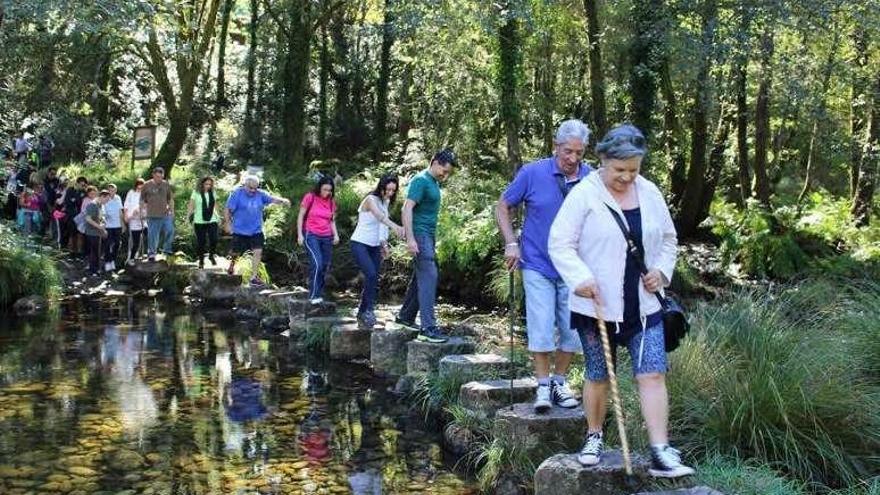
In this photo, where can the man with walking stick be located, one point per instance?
(542, 186)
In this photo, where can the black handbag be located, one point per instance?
(675, 322)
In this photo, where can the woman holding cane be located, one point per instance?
(589, 249)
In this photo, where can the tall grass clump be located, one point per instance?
(26, 269)
(773, 375)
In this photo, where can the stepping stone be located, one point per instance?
(299, 308)
(540, 435)
(424, 357)
(490, 395)
(388, 351)
(562, 474)
(214, 287)
(349, 342)
(697, 490)
(473, 365)
(275, 323)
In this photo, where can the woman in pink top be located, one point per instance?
(316, 230)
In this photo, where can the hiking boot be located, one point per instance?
(201, 263)
(542, 399)
(212, 259)
(666, 463)
(591, 452)
(432, 335)
(562, 396)
(408, 324)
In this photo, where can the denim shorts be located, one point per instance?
(547, 310)
(647, 349)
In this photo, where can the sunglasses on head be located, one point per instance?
(637, 141)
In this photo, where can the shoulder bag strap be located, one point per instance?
(633, 249)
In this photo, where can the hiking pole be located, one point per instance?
(511, 309)
(615, 396)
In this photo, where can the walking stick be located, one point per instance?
(615, 395)
(511, 301)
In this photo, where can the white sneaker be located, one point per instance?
(562, 395)
(591, 452)
(542, 399)
(107, 266)
(666, 463)
(113, 265)
(317, 300)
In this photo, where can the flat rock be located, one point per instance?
(490, 395)
(388, 351)
(424, 357)
(214, 287)
(30, 305)
(275, 323)
(405, 384)
(299, 308)
(349, 342)
(562, 474)
(473, 365)
(697, 490)
(540, 435)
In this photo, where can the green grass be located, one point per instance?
(773, 375)
(26, 268)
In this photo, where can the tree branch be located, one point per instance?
(275, 17)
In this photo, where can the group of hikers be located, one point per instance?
(577, 265)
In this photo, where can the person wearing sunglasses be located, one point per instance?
(541, 187)
(588, 246)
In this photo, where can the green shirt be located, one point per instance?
(96, 213)
(197, 208)
(424, 190)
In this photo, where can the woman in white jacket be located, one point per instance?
(589, 249)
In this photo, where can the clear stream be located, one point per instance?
(152, 398)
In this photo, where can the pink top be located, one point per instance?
(319, 214)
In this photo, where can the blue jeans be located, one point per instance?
(320, 249)
(369, 260)
(422, 291)
(160, 226)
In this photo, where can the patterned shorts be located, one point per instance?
(647, 349)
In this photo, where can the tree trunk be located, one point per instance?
(761, 185)
(546, 79)
(510, 60)
(250, 125)
(383, 80)
(323, 88)
(597, 71)
(220, 102)
(343, 116)
(647, 56)
(864, 196)
(405, 121)
(858, 105)
(819, 113)
(742, 110)
(716, 161)
(692, 197)
(674, 138)
(295, 85)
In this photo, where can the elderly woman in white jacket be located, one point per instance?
(589, 249)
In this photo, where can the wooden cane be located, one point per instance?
(615, 395)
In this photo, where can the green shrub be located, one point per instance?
(773, 375)
(25, 268)
(729, 475)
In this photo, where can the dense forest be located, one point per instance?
(763, 102)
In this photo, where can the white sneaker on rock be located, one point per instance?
(542, 399)
(562, 395)
(591, 452)
(666, 463)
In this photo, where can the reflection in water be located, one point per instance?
(140, 399)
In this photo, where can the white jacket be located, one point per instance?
(586, 244)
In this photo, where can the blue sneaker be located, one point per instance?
(432, 335)
(409, 325)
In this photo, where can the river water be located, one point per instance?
(149, 397)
